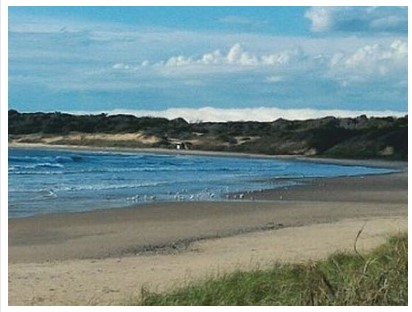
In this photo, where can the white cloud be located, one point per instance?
(375, 53)
(358, 19)
(362, 63)
(283, 57)
(236, 56)
(215, 57)
(179, 61)
(372, 62)
(264, 114)
(321, 18)
(120, 66)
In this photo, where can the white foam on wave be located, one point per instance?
(11, 172)
(35, 166)
(111, 186)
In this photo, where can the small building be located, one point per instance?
(182, 145)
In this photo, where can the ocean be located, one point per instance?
(43, 181)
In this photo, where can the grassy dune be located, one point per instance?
(377, 278)
(360, 137)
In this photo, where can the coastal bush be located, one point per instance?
(379, 277)
(359, 137)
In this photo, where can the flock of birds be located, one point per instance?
(203, 195)
(178, 196)
(185, 196)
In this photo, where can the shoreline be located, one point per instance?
(106, 256)
(319, 201)
(399, 167)
(401, 164)
(270, 195)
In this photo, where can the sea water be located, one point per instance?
(45, 181)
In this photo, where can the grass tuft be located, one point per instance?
(379, 277)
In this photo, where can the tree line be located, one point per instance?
(359, 137)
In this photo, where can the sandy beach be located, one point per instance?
(158, 151)
(105, 257)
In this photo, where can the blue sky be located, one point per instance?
(209, 63)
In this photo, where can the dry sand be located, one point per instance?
(79, 138)
(105, 257)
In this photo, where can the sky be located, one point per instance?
(210, 63)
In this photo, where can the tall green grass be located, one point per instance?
(377, 278)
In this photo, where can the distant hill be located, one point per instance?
(359, 137)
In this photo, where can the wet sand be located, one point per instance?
(105, 257)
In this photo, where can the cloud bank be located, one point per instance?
(367, 63)
(370, 55)
(263, 114)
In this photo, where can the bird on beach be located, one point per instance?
(131, 199)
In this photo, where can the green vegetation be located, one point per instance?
(377, 278)
(359, 137)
